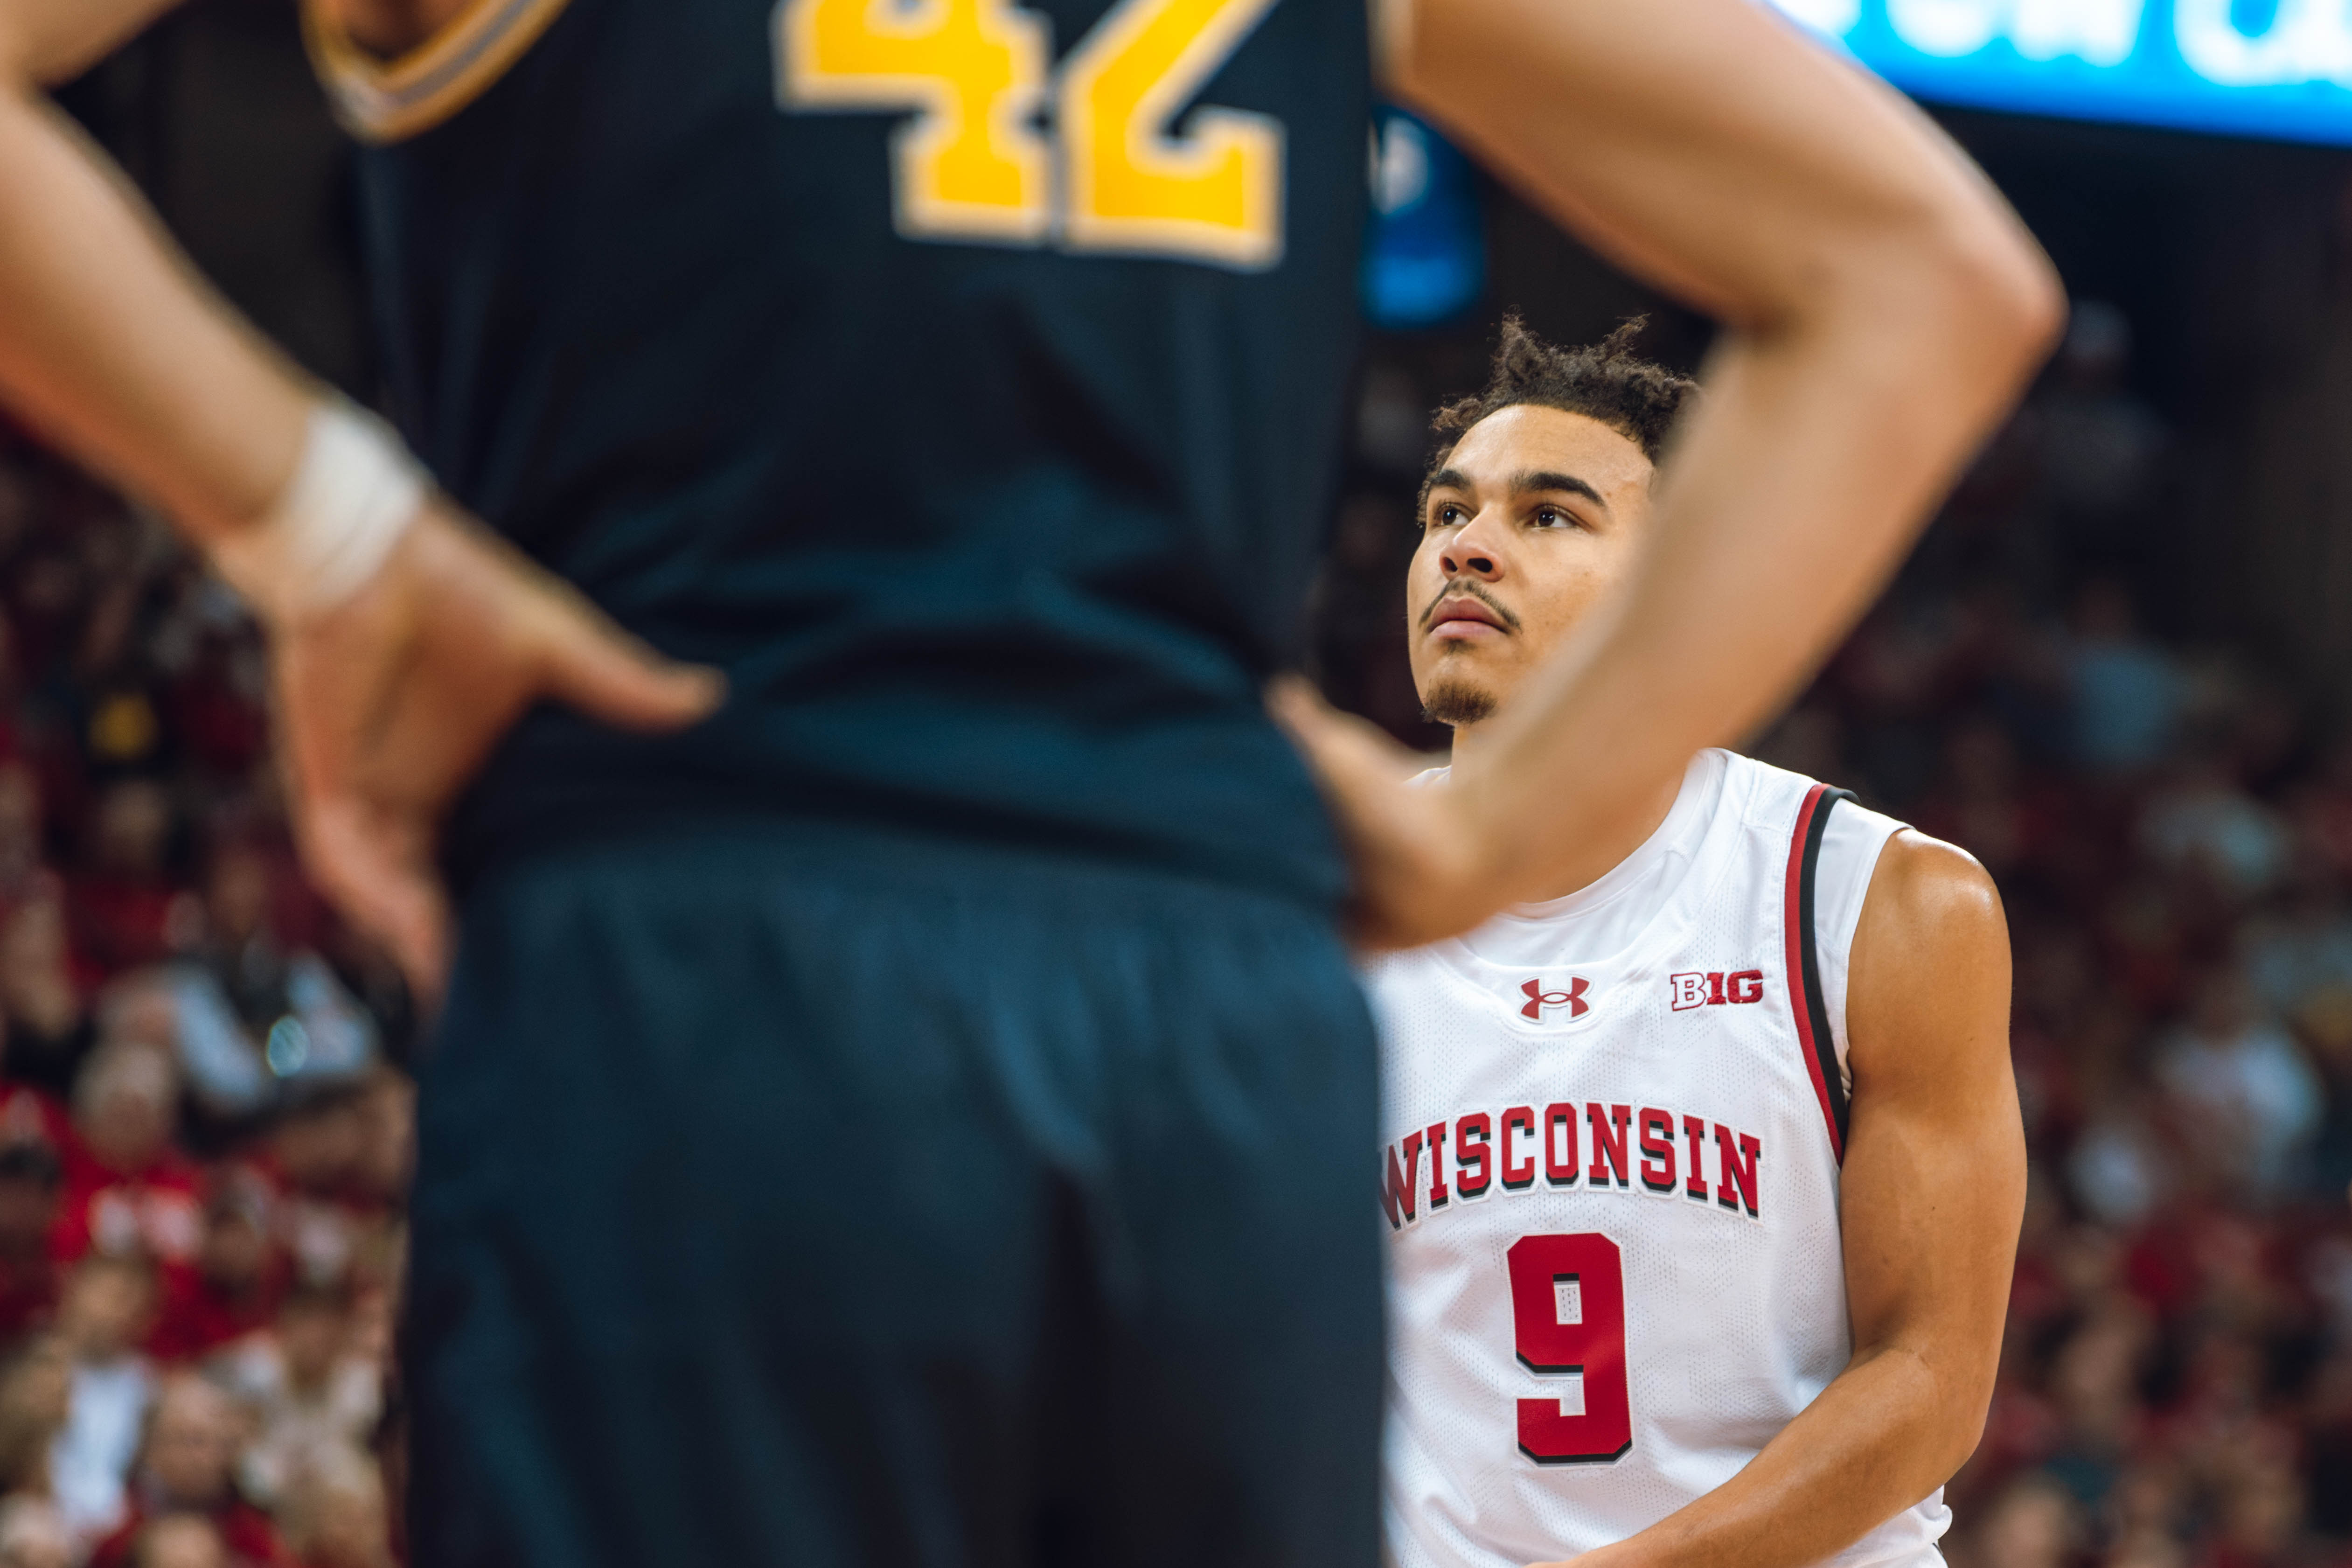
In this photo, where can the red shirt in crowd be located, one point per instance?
(197, 1317)
(244, 1530)
(30, 1115)
(122, 922)
(156, 1210)
(28, 1297)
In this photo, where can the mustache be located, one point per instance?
(1469, 588)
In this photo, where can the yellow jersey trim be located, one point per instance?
(390, 101)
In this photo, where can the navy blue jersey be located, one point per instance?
(963, 378)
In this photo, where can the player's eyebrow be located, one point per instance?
(1545, 479)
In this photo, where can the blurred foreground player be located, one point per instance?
(914, 1111)
(1704, 1176)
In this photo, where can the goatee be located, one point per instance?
(1456, 702)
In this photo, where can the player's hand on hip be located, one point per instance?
(1419, 865)
(389, 702)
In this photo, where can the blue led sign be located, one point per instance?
(2276, 69)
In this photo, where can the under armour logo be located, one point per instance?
(1572, 998)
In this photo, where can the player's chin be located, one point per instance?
(1451, 697)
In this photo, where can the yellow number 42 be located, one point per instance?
(973, 163)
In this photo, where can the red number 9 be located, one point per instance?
(1567, 1303)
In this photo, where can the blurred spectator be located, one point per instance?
(313, 1397)
(187, 1462)
(251, 1018)
(329, 1156)
(2034, 1525)
(31, 1115)
(36, 1397)
(219, 702)
(108, 1304)
(35, 1400)
(24, 864)
(179, 1540)
(335, 1515)
(2323, 808)
(2118, 1170)
(2103, 441)
(2094, 1386)
(2246, 1097)
(388, 1148)
(41, 997)
(126, 910)
(129, 1189)
(239, 1274)
(121, 725)
(2301, 951)
(2206, 821)
(33, 1535)
(30, 1179)
(2126, 690)
(1980, 799)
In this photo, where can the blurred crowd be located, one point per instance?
(205, 1137)
(2171, 828)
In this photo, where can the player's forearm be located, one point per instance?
(112, 344)
(1889, 1430)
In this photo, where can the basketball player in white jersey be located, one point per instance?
(1705, 1177)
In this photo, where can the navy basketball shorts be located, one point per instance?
(848, 1202)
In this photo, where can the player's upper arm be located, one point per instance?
(1927, 1003)
(1707, 144)
(1934, 1184)
(47, 41)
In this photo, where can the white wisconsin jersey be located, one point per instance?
(1612, 1126)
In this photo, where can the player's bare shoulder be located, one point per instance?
(1930, 960)
(1933, 885)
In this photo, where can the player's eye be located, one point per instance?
(1445, 514)
(1553, 517)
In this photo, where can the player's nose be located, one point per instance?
(1474, 551)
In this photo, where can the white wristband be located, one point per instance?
(353, 494)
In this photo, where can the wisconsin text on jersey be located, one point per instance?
(1506, 1149)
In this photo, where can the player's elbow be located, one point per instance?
(1939, 287)
(1960, 1425)
(1998, 289)
(1945, 1400)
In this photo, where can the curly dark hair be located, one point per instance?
(1605, 381)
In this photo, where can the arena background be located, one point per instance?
(2119, 670)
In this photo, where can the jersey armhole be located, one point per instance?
(382, 100)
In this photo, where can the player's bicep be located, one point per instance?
(1934, 1182)
(49, 41)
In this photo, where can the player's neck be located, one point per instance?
(1598, 856)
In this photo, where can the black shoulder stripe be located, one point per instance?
(1817, 1010)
